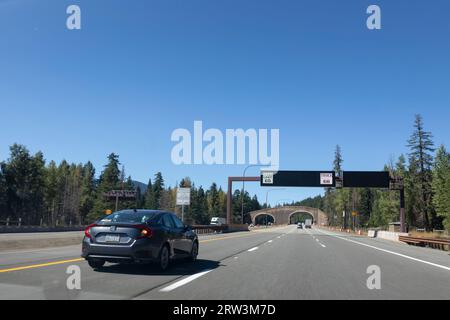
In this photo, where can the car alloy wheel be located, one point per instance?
(164, 258)
(194, 251)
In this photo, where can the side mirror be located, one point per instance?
(187, 228)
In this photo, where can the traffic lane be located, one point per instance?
(401, 277)
(25, 257)
(119, 281)
(297, 267)
(39, 235)
(284, 269)
(428, 254)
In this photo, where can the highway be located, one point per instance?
(283, 263)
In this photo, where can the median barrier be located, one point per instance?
(237, 228)
(372, 233)
(388, 235)
(32, 229)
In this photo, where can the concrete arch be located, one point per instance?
(282, 215)
(263, 213)
(305, 212)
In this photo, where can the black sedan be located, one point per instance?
(139, 236)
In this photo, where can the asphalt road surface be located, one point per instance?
(280, 263)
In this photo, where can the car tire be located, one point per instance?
(164, 258)
(194, 252)
(96, 263)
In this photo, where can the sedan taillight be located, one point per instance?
(87, 231)
(144, 232)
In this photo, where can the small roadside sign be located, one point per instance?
(267, 177)
(326, 179)
(183, 196)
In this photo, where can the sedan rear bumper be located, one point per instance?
(142, 250)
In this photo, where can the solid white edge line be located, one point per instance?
(388, 251)
(253, 249)
(184, 281)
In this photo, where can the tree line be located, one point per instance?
(70, 194)
(425, 171)
(53, 194)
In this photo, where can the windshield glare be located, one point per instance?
(129, 217)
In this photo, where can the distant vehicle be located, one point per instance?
(299, 225)
(216, 221)
(308, 224)
(139, 236)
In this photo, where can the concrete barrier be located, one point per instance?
(237, 227)
(388, 235)
(33, 229)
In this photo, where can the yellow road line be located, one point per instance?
(33, 266)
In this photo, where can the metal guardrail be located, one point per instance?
(209, 229)
(442, 244)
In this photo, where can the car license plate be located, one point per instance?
(112, 238)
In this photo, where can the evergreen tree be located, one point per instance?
(158, 190)
(365, 205)
(214, 206)
(36, 182)
(140, 200)
(149, 197)
(3, 198)
(441, 186)
(337, 163)
(421, 148)
(87, 191)
(109, 180)
(199, 210)
(51, 192)
(17, 178)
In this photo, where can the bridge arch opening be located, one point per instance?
(300, 216)
(264, 219)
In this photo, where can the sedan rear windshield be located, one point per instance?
(129, 217)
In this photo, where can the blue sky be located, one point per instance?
(137, 70)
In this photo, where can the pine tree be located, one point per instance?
(109, 180)
(441, 186)
(149, 197)
(139, 198)
(199, 210)
(214, 207)
(3, 198)
(158, 190)
(87, 198)
(337, 163)
(421, 148)
(365, 205)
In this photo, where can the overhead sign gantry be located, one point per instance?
(325, 179)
